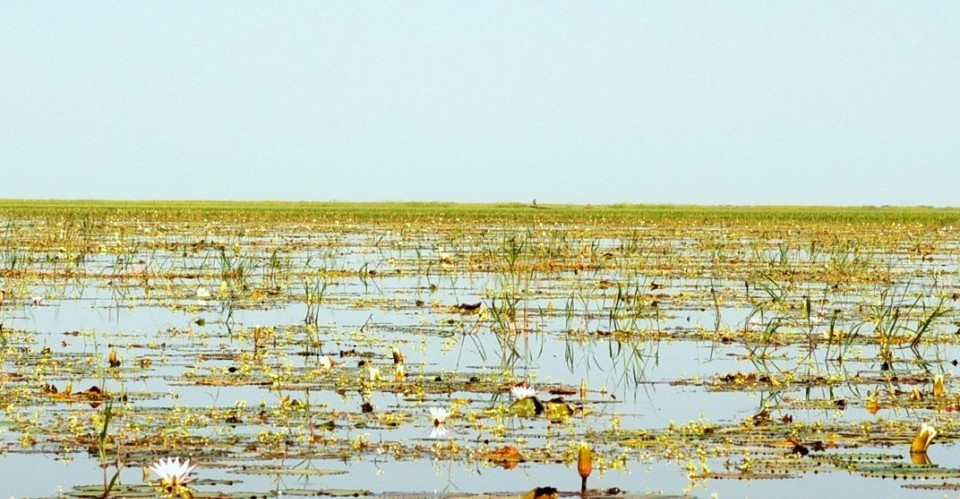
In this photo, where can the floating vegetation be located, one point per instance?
(348, 350)
(174, 475)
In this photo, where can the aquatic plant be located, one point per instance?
(440, 427)
(102, 436)
(829, 333)
(521, 392)
(173, 474)
(584, 464)
(924, 437)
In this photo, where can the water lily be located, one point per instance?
(921, 442)
(326, 362)
(584, 464)
(521, 392)
(440, 428)
(938, 389)
(527, 404)
(172, 472)
(203, 294)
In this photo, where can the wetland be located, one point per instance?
(446, 350)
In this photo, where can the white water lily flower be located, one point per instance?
(440, 431)
(203, 293)
(172, 472)
(325, 362)
(439, 415)
(440, 428)
(522, 392)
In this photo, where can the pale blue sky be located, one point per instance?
(839, 103)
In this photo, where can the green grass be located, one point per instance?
(614, 213)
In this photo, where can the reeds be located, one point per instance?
(623, 288)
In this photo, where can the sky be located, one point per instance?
(681, 102)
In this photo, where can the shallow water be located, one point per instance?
(677, 342)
